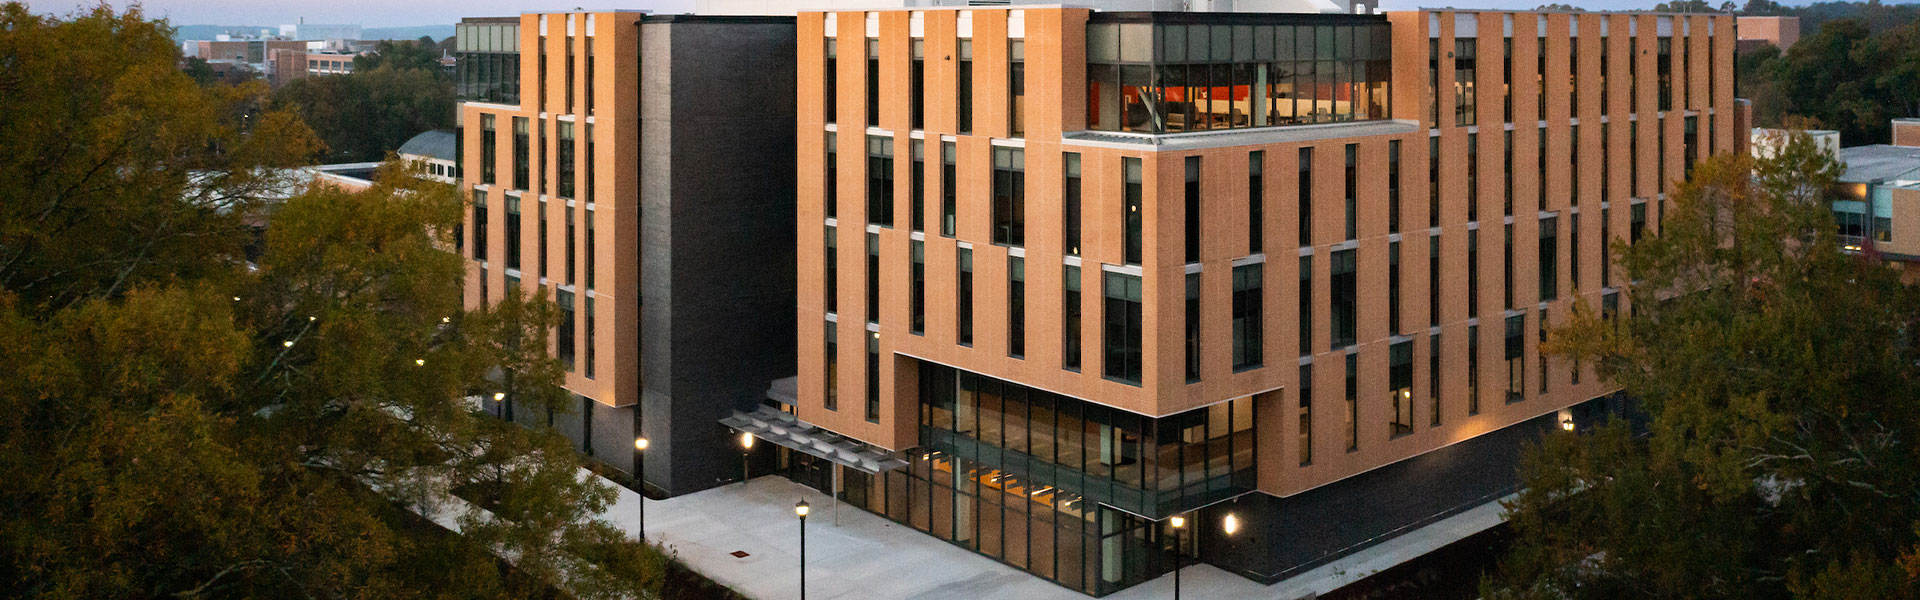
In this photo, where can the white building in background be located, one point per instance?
(315, 31)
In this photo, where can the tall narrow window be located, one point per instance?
(540, 237)
(1306, 304)
(831, 399)
(591, 256)
(1516, 358)
(1473, 273)
(1638, 226)
(1393, 287)
(833, 270)
(540, 157)
(1473, 177)
(1017, 88)
(1540, 166)
(1573, 76)
(1664, 68)
(1606, 248)
(563, 158)
(1464, 76)
(949, 219)
(873, 277)
(1606, 161)
(522, 146)
(1433, 181)
(918, 81)
(833, 176)
(1122, 328)
(1070, 212)
(590, 172)
(1506, 78)
(965, 301)
(1303, 192)
(589, 324)
(571, 232)
(1433, 81)
(489, 142)
(1433, 280)
(563, 342)
(1305, 427)
(1549, 253)
(1473, 370)
(1248, 318)
(1400, 387)
(1016, 307)
(1353, 191)
(1573, 166)
(964, 87)
(917, 297)
(1605, 108)
(917, 213)
(1573, 251)
(1353, 402)
(1540, 356)
(1393, 186)
(1345, 294)
(1070, 319)
(569, 106)
(1009, 196)
(513, 232)
(1506, 197)
(880, 180)
(873, 377)
(1131, 199)
(589, 47)
(1256, 199)
(1540, 75)
(831, 91)
(1193, 327)
(1433, 380)
(873, 82)
(1633, 159)
(479, 225)
(1506, 279)
(1192, 197)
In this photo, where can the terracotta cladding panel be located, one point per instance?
(1906, 133)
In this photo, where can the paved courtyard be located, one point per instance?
(860, 555)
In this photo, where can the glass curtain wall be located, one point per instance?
(1166, 74)
(489, 59)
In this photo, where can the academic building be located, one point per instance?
(1077, 271)
(639, 170)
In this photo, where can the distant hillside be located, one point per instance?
(206, 32)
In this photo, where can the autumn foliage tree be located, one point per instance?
(1782, 382)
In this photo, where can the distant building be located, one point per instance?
(1885, 177)
(315, 31)
(1755, 32)
(433, 155)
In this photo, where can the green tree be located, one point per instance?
(186, 422)
(364, 115)
(1779, 376)
(421, 54)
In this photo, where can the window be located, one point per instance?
(589, 46)
(1573, 76)
(1433, 280)
(589, 344)
(1393, 186)
(1353, 402)
(1506, 279)
(1131, 200)
(480, 225)
(831, 91)
(590, 253)
(1303, 191)
(1690, 144)
(1256, 198)
(873, 82)
(1516, 358)
(1473, 273)
(1633, 159)
(1122, 335)
(965, 290)
(1506, 78)
(1353, 191)
(880, 180)
(569, 106)
(1638, 227)
(948, 206)
(1070, 322)
(1473, 370)
(1306, 304)
(564, 341)
(1393, 288)
(1664, 68)
(522, 144)
(964, 87)
(1540, 350)
(1433, 181)
(540, 234)
(1433, 379)
(1464, 76)
(488, 143)
(1306, 415)
(513, 232)
(1540, 166)
(873, 377)
(563, 158)
(1540, 75)
(1604, 82)
(1549, 253)
(832, 398)
(1345, 293)
(1070, 213)
(833, 271)
(1433, 81)
(918, 81)
(833, 176)
(1506, 197)
(1573, 251)
(1248, 318)
(1193, 327)
(1016, 307)
(1009, 196)
(873, 278)
(1400, 382)
(591, 173)
(918, 296)
(1017, 88)
(1573, 166)
(1606, 248)
(918, 178)
(540, 158)
(571, 231)
(1473, 177)
(1192, 197)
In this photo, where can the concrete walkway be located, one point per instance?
(866, 556)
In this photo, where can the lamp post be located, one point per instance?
(800, 508)
(1179, 524)
(746, 453)
(640, 471)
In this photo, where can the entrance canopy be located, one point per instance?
(790, 432)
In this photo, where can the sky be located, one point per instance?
(392, 13)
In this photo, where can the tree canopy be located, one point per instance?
(361, 116)
(1782, 454)
(183, 421)
(1844, 76)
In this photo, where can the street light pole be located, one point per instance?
(1179, 523)
(640, 470)
(746, 454)
(801, 509)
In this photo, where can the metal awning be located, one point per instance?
(784, 429)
